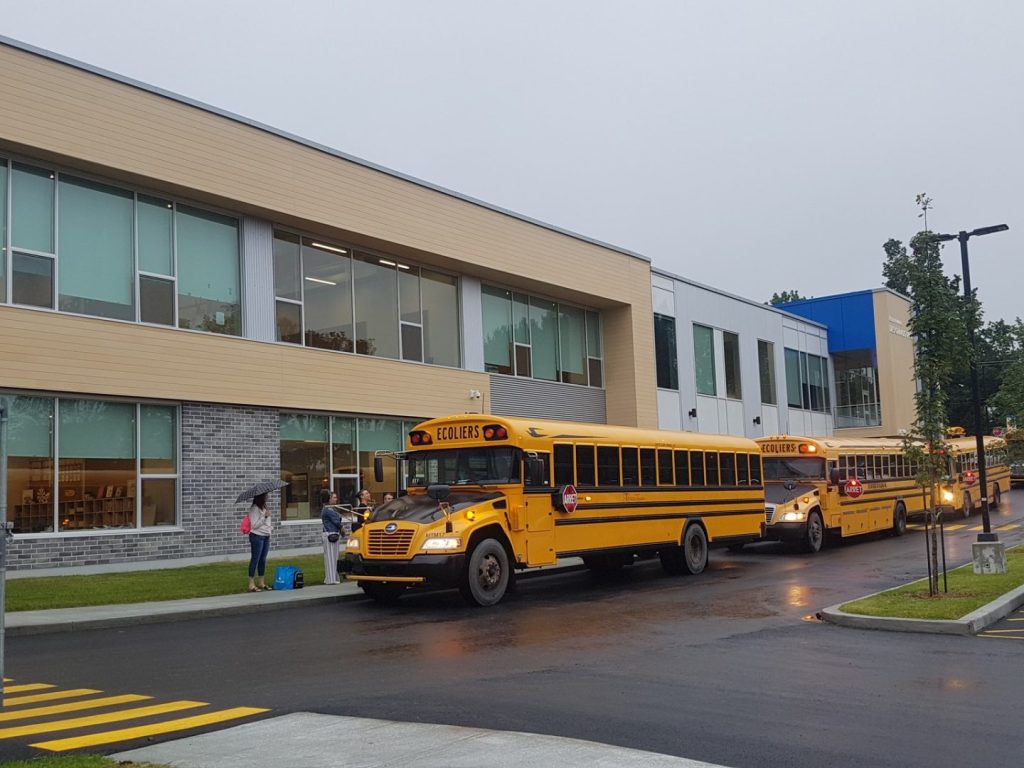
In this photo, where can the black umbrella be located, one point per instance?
(265, 486)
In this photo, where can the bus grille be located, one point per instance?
(395, 544)
(769, 510)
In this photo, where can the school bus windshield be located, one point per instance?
(463, 466)
(794, 468)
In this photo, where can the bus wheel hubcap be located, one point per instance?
(490, 572)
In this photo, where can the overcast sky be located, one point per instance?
(753, 146)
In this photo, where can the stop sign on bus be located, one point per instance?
(569, 498)
(854, 488)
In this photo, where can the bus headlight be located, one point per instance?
(793, 517)
(352, 545)
(947, 496)
(442, 543)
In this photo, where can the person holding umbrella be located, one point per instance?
(259, 531)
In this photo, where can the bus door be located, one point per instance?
(538, 513)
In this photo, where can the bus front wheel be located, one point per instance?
(996, 496)
(899, 519)
(487, 574)
(814, 534)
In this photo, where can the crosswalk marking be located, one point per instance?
(994, 631)
(73, 706)
(126, 734)
(27, 687)
(108, 717)
(53, 696)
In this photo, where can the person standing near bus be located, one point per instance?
(332, 525)
(259, 542)
(363, 509)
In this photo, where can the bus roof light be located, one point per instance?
(808, 448)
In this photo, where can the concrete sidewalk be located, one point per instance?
(325, 741)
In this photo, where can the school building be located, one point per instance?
(191, 302)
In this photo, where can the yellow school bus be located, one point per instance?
(487, 495)
(962, 492)
(836, 486)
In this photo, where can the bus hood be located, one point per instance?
(423, 509)
(778, 493)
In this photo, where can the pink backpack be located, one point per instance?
(246, 526)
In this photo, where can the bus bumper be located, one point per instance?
(436, 570)
(785, 532)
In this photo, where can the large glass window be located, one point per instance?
(32, 280)
(376, 293)
(378, 435)
(3, 230)
(105, 450)
(536, 338)
(288, 287)
(857, 394)
(766, 370)
(32, 193)
(97, 273)
(156, 235)
(497, 320)
(704, 359)
(440, 297)
(30, 477)
(572, 345)
(208, 273)
(665, 352)
(305, 464)
(793, 392)
(731, 348)
(327, 302)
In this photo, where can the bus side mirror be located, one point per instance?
(439, 492)
(833, 476)
(378, 469)
(535, 471)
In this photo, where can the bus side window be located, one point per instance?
(862, 467)
(608, 466)
(630, 467)
(755, 469)
(563, 465)
(585, 466)
(682, 461)
(728, 464)
(697, 468)
(647, 476)
(742, 469)
(665, 467)
(711, 468)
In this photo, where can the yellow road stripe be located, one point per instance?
(999, 637)
(74, 706)
(108, 717)
(126, 734)
(27, 687)
(956, 526)
(49, 696)
(993, 631)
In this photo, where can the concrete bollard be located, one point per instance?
(989, 556)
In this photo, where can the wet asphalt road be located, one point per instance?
(729, 667)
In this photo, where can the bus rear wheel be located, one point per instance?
(383, 592)
(996, 495)
(487, 574)
(690, 558)
(814, 533)
(899, 519)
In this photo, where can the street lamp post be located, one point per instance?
(963, 236)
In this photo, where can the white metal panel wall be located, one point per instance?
(472, 324)
(258, 311)
(511, 396)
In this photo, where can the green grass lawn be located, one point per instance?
(77, 761)
(40, 593)
(967, 592)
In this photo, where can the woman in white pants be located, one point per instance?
(331, 535)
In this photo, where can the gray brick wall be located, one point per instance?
(224, 449)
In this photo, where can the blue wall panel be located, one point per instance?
(850, 319)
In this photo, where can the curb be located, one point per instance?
(22, 623)
(971, 624)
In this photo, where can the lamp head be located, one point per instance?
(989, 230)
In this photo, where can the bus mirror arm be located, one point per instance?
(534, 468)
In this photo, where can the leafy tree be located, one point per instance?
(784, 298)
(1008, 401)
(896, 268)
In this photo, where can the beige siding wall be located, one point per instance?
(54, 352)
(65, 115)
